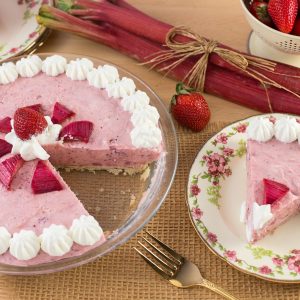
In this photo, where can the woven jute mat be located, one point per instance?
(124, 275)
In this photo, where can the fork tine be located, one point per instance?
(155, 267)
(172, 266)
(175, 255)
(172, 262)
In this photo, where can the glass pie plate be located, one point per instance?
(122, 204)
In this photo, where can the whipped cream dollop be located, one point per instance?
(24, 245)
(261, 215)
(287, 130)
(54, 65)
(260, 129)
(29, 66)
(86, 231)
(146, 115)
(146, 136)
(79, 68)
(103, 76)
(8, 73)
(5, 237)
(32, 149)
(120, 89)
(136, 101)
(55, 240)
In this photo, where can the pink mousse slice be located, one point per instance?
(110, 143)
(279, 162)
(21, 209)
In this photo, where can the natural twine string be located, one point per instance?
(196, 45)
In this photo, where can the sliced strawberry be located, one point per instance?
(9, 168)
(43, 180)
(61, 113)
(274, 191)
(77, 131)
(28, 122)
(5, 147)
(5, 126)
(36, 107)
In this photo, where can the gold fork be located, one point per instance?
(175, 268)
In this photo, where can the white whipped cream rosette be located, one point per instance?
(287, 129)
(86, 231)
(54, 65)
(24, 245)
(146, 136)
(55, 240)
(120, 89)
(79, 68)
(29, 66)
(8, 73)
(103, 76)
(5, 237)
(136, 101)
(260, 129)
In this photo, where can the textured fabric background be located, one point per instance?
(124, 275)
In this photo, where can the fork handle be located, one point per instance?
(217, 289)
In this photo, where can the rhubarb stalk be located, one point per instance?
(219, 81)
(143, 25)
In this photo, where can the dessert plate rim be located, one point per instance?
(199, 202)
(33, 34)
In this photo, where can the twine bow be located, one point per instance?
(197, 46)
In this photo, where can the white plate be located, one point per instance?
(19, 30)
(216, 190)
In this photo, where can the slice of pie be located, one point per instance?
(273, 169)
(68, 115)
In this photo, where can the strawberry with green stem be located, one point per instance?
(259, 10)
(189, 108)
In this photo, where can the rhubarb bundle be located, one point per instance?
(121, 26)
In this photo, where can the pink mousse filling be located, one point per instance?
(276, 161)
(109, 146)
(21, 209)
(110, 143)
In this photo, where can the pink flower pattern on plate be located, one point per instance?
(212, 237)
(265, 270)
(216, 164)
(195, 190)
(228, 151)
(231, 255)
(294, 263)
(197, 213)
(222, 138)
(278, 261)
(241, 128)
(32, 34)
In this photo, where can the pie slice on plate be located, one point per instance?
(273, 171)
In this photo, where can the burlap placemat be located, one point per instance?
(124, 275)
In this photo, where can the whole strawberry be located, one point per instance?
(28, 122)
(283, 14)
(259, 10)
(189, 108)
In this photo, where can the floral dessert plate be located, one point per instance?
(216, 189)
(19, 31)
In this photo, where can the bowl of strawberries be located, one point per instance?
(275, 29)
